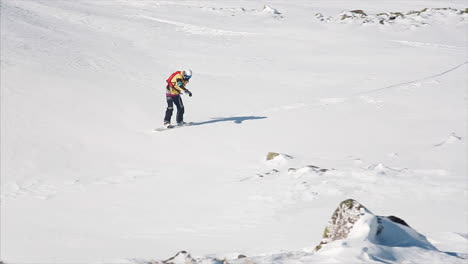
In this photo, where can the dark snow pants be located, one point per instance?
(171, 101)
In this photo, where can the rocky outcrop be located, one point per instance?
(316, 169)
(342, 221)
(274, 155)
(412, 17)
(182, 257)
(270, 10)
(380, 230)
(354, 14)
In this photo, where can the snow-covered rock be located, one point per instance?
(412, 17)
(354, 228)
(270, 10)
(182, 257)
(278, 157)
(388, 231)
(342, 221)
(307, 170)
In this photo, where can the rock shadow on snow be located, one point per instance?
(235, 119)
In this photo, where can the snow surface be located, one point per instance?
(383, 108)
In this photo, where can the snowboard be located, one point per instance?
(160, 129)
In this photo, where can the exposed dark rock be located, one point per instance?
(322, 17)
(414, 12)
(273, 171)
(446, 9)
(241, 256)
(360, 12)
(396, 14)
(181, 257)
(318, 170)
(344, 16)
(380, 227)
(397, 220)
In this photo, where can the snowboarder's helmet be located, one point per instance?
(187, 74)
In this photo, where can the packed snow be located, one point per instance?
(370, 107)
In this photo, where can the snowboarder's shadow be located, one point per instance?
(235, 119)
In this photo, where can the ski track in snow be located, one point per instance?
(414, 81)
(451, 139)
(428, 45)
(362, 96)
(35, 188)
(196, 30)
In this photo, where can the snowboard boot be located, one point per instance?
(167, 124)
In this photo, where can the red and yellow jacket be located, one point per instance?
(176, 84)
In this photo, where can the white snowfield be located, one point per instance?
(374, 112)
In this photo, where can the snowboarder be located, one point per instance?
(176, 84)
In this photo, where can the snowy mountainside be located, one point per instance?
(374, 112)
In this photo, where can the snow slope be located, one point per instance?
(85, 179)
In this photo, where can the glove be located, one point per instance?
(188, 92)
